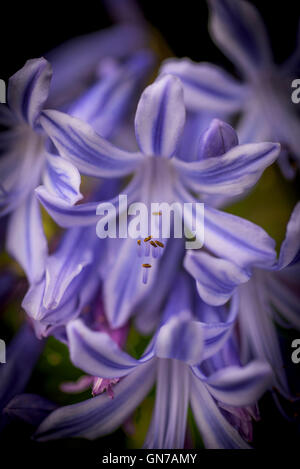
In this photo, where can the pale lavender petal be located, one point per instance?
(62, 179)
(231, 174)
(168, 426)
(257, 329)
(216, 279)
(240, 386)
(28, 89)
(180, 340)
(105, 104)
(160, 117)
(26, 240)
(215, 430)
(217, 140)
(76, 60)
(100, 415)
(97, 353)
(290, 249)
(206, 86)
(92, 154)
(239, 31)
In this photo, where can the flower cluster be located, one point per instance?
(97, 119)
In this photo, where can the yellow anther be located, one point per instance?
(147, 239)
(146, 266)
(161, 245)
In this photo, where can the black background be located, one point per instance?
(29, 30)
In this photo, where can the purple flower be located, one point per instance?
(24, 161)
(272, 297)
(172, 358)
(159, 176)
(264, 97)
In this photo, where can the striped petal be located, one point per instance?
(92, 154)
(232, 173)
(216, 279)
(216, 431)
(76, 60)
(239, 31)
(100, 415)
(180, 340)
(290, 249)
(28, 90)
(26, 240)
(160, 117)
(240, 386)
(206, 86)
(168, 426)
(62, 179)
(108, 101)
(84, 214)
(97, 353)
(216, 325)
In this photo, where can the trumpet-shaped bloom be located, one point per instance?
(272, 297)
(264, 97)
(159, 176)
(172, 358)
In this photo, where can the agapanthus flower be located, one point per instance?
(272, 297)
(223, 167)
(24, 161)
(264, 95)
(188, 336)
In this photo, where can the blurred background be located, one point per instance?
(29, 31)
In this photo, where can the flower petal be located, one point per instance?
(62, 179)
(28, 89)
(76, 60)
(216, 431)
(239, 31)
(108, 101)
(100, 415)
(206, 86)
(30, 408)
(97, 353)
(216, 331)
(290, 249)
(238, 240)
(25, 348)
(216, 279)
(231, 174)
(123, 286)
(26, 240)
(168, 426)
(258, 333)
(217, 140)
(240, 386)
(92, 154)
(160, 117)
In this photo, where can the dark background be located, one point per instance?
(30, 30)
